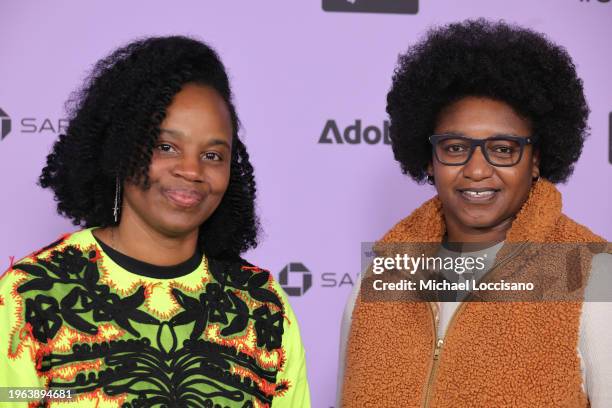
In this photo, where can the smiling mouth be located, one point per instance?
(478, 194)
(184, 198)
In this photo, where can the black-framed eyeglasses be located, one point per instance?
(500, 150)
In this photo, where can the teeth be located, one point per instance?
(479, 194)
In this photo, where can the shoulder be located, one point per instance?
(256, 281)
(274, 302)
(80, 240)
(266, 300)
(29, 289)
(72, 245)
(276, 326)
(36, 271)
(572, 231)
(275, 323)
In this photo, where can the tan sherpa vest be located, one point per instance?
(494, 354)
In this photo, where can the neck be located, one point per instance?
(459, 233)
(132, 237)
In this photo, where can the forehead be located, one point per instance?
(481, 117)
(198, 110)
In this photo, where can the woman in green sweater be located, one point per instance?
(151, 305)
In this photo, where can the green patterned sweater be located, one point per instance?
(116, 332)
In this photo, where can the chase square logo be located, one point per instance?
(30, 125)
(5, 124)
(373, 6)
(296, 279)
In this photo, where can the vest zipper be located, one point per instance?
(434, 367)
(437, 346)
(439, 341)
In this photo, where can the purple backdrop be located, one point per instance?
(293, 67)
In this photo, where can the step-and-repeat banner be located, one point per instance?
(310, 80)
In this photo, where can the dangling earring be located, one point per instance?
(431, 180)
(117, 198)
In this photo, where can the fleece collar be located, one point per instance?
(534, 222)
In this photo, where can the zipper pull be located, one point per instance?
(439, 344)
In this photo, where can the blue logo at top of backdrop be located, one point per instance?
(373, 6)
(5, 124)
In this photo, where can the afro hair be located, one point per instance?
(488, 59)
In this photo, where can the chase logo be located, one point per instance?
(373, 6)
(296, 268)
(5, 124)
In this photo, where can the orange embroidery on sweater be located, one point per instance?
(97, 256)
(264, 386)
(16, 333)
(94, 399)
(247, 344)
(66, 337)
(68, 372)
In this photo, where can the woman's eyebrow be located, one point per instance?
(216, 142)
(507, 134)
(451, 133)
(172, 132)
(461, 134)
(177, 134)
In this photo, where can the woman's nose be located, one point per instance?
(477, 168)
(189, 168)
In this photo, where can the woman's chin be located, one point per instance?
(476, 221)
(178, 229)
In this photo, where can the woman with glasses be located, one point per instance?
(492, 115)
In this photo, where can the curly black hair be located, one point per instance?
(114, 124)
(488, 59)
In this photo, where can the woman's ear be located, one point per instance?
(430, 177)
(535, 165)
(430, 169)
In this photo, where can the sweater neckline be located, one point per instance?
(149, 270)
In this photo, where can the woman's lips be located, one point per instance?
(478, 195)
(184, 198)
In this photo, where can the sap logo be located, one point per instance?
(337, 280)
(31, 125)
(5, 124)
(373, 6)
(34, 125)
(302, 279)
(354, 134)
